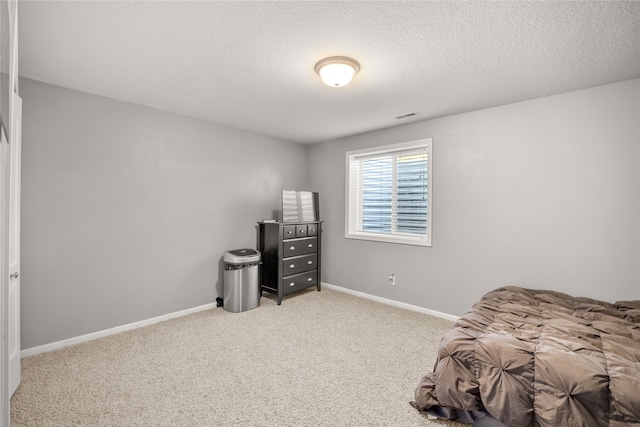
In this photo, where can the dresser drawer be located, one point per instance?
(289, 232)
(299, 264)
(312, 230)
(301, 230)
(299, 281)
(300, 246)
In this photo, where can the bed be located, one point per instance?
(522, 357)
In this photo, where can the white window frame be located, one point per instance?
(351, 231)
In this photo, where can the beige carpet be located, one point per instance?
(320, 359)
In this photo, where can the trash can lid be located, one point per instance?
(241, 255)
(244, 252)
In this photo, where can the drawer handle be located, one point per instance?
(292, 284)
(292, 248)
(309, 262)
(310, 245)
(309, 279)
(292, 266)
(289, 232)
(313, 229)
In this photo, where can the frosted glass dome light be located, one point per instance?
(337, 71)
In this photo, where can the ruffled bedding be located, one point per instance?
(538, 358)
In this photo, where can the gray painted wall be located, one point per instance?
(127, 210)
(541, 194)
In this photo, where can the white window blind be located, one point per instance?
(388, 193)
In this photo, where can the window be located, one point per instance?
(389, 193)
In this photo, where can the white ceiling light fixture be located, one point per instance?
(337, 71)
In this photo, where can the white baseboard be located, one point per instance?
(392, 302)
(105, 333)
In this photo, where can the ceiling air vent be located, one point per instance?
(406, 116)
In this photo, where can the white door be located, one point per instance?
(4, 280)
(15, 149)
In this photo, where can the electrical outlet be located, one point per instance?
(392, 279)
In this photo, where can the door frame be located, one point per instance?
(5, 166)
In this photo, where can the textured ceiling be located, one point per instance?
(250, 64)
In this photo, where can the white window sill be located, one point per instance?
(398, 239)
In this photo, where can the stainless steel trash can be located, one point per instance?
(241, 288)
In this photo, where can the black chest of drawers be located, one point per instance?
(291, 256)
